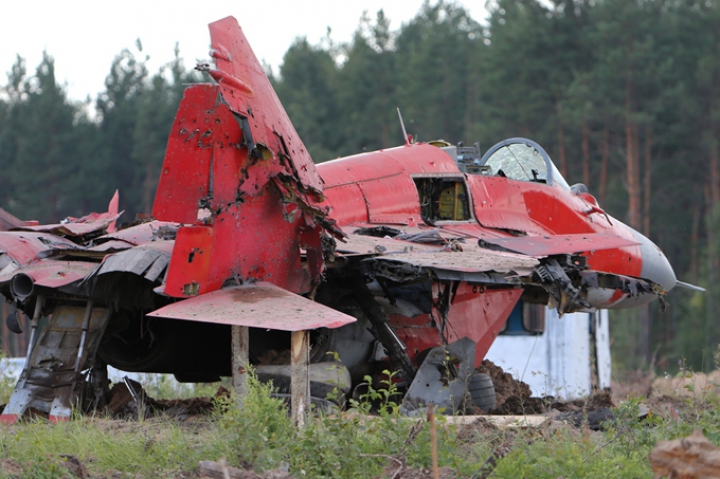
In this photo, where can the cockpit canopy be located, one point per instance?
(515, 158)
(523, 160)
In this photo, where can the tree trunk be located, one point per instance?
(561, 143)
(647, 197)
(149, 188)
(604, 165)
(634, 191)
(694, 241)
(714, 162)
(586, 152)
(711, 301)
(472, 106)
(633, 173)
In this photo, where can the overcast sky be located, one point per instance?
(85, 35)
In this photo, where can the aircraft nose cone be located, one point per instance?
(655, 266)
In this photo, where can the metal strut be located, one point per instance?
(53, 374)
(385, 334)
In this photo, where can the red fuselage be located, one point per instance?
(381, 188)
(377, 188)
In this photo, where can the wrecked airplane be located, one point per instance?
(8, 221)
(409, 259)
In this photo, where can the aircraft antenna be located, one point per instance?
(402, 125)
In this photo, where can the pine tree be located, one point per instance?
(44, 155)
(308, 90)
(366, 85)
(119, 109)
(433, 54)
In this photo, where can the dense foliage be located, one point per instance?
(623, 95)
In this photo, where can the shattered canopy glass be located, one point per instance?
(523, 162)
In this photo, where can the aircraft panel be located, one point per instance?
(543, 246)
(256, 305)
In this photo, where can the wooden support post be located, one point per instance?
(240, 360)
(5, 342)
(433, 440)
(299, 377)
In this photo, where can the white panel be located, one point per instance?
(602, 348)
(556, 363)
(569, 354)
(525, 357)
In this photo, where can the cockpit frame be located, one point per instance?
(551, 174)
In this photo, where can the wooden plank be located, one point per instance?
(299, 377)
(502, 422)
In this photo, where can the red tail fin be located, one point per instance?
(236, 169)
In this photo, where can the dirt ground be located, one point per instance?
(505, 385)
(513, 397)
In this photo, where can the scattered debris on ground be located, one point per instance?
(517, 405)
(667, 407)
(11, 468)
(74, 466)
(480, 427)
(632, 384)
(397, 469)
(514, 397)
(511, 395)
(502, 448)
(693, 385)
(598, 400)
(595, 420)
(692, 457)
(220, 470)
(125, 396)
(595, 411)
(505, 384)
(413, 473)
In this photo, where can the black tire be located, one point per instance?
(481, 392)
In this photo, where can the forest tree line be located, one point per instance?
(624, 96)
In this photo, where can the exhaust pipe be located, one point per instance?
(22, 286)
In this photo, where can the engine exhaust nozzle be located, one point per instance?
(22, 286)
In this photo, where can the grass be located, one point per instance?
(157, 449)
(350, 444)
(7, 384)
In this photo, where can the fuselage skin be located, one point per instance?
(378, 188)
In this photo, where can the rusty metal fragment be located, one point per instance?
(51, 273)
(92, 223)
